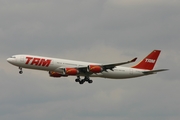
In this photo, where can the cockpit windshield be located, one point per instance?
(13, 57)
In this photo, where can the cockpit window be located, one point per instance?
(13, 57)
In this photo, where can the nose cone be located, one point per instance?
(10, 60)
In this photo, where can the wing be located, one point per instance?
(105, 67)
(86, 70)
(154, 71)
(111, 66)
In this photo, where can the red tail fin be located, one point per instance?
(148, 62)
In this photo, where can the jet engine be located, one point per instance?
(54, 74)
(71, 71)
(94, 68)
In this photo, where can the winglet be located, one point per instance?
(133, 60)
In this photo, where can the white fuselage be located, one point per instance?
(54, 64)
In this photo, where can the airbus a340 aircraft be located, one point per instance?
(63, 68)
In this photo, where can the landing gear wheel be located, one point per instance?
(81, 82)
(90, 81)
(77, 80)
(20, 72)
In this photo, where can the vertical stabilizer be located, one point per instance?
(148, 62)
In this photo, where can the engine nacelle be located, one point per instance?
(94, 68)
(71, 71)
(54, 74)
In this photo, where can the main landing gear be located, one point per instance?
(81, 81)
(20, 70)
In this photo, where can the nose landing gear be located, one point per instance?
(20, 70)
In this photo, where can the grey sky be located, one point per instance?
(91, 30)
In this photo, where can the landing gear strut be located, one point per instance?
(87, 79)
(81, 81)
(20, 70)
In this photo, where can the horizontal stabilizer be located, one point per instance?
(154, 71)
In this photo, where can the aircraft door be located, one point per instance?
(21, 58)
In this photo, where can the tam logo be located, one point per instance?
(38, 61)
(150, 60)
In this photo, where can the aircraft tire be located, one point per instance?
(77, 80)
(81, 82)
(90, 81)
(20, 72)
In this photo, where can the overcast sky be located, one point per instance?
(104, 31)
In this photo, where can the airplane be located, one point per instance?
(63, 67)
